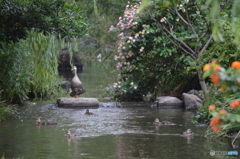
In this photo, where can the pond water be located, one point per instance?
(111, 133)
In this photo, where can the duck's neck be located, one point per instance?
(75, 72)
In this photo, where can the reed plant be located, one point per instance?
(30, 66)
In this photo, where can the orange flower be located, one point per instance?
(223, 112)
(223, 88)
(211, 107)
(216, 68)
(215, 78)
(235, 104)
(238, 83)
(216, 123)
(214, 61)
(206, 67)
(236, 64)
(216, 128)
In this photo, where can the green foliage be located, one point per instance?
(16, 71)
(214, 97)
(52, 16)
(100, 14)
(44, 51)
(221, 11)
(30, 66)
(225, 52)
(151, 49)
(225, 103)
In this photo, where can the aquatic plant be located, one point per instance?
(5, 110)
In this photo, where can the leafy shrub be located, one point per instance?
(30, 66)
(17, 17)
(225, 111)
(146, 57)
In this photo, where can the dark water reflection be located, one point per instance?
(109, 133)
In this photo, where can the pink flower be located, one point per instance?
(111, 28)
(119, 65)
(115, 57)
(163, 19)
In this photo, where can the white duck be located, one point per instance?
(76, 85)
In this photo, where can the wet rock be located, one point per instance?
(195, 92)
(64, 61)
(135, 104)
(191, 101)
(66, 85)
(69, 102)
(168, 101)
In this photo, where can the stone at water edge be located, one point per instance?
(191, 101)
(70, 102)
(169, 101)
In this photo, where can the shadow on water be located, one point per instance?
(112, 132)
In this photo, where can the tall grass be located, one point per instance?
(30, 66)
(44, 51)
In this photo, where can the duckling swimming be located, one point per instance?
(38, 122)
(88, 113)
(158, 123)
(188, 132)
(72, 135)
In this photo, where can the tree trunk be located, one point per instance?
(202, 82)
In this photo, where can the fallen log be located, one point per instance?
(68, 102)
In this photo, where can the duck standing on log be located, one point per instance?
(76, 85)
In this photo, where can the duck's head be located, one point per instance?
(68, 133)
(74, 68)
(38, 120)
(87, 111)
(189, 131)
(156, 120)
